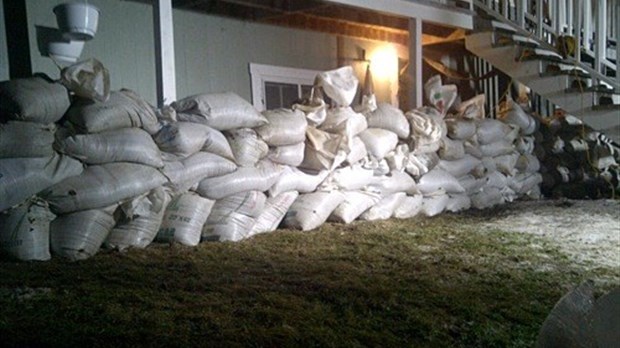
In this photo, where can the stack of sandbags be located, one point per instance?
(577, 162)
(113, 141)
(29, 108)
(248, 173)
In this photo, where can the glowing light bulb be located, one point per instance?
(384, 62)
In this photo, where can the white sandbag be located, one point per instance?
(344, 121)
(339, 84)
(285, 127)
(379, 167)
(487, 198)
(505, 164)
(33, 99)
(357, 152)
(311, 210)
(187, 172)
(527, 163)
(434, 205)
(379, 142)
(102, 185)
(460, 167)
(458, 202)
(471, 184)
(451, 149)
(427, 129)
(409, 207)
(119, 145)
(439, 180)
(250, 203)
(246, 146)
(186, 138)
(243, 179)
(231, 227)
(124, 109)
(184, 218)
(273, 213)
(440, 96)
(496, 179)
(472, 148)
(290, 155)
(525, 145)
(354, 204)
(222, 111)
(523, 183)
(489, 164)
(515, 115)
(87, 79)
(349, 178)
(140, 221)
(490, 130)
(391, 118)
(323, 150)
(384, 209)
(498, 148)
(26, 139)
(398, 159)
(393, 182)
(315, 111)
(472, 109)
(293, 179)
(461, 129)
(21, 178)
(420, 164)
(25, 231)
(78, 236)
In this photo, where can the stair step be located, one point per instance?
(610, 107)
(602, 89)
(502, 39)
(570, 73)
(501, 26)
(541, 54)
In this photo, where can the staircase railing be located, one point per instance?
(594, 25)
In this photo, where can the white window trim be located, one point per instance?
(261, 73)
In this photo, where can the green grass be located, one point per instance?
(400, 283)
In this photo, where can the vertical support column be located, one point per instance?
(600, 50)
(577, 10)
(616, 12)
(587, 24)
(164, 52)
(520, 9)
(540, 17)
(415, 63)
(18, 49)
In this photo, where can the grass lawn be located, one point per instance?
(423, 282)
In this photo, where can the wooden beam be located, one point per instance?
(16, 27)
(414, 69)
(164, 52)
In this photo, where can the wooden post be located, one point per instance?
(415, 63)
(16, 28)
(164, 52)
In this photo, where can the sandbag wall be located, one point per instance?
(578, 162)
(78, 174)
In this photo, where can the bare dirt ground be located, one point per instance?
(587, 231)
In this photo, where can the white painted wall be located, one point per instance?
(4, 56)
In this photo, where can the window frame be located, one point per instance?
(261, 73)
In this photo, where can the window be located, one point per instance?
(276, 87)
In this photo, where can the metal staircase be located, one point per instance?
(519, 37)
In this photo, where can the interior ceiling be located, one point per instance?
(320, 16)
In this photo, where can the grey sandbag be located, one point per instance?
(78, 236)
(33, 99)
(21, 178)
(260, 178)
(123, 109)
(139, 221)
(189, 171)
(25, 231)
(122, 145)
(102, 185)
(222, 111)
(185, 138)
(26, 139)
(285, 127)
